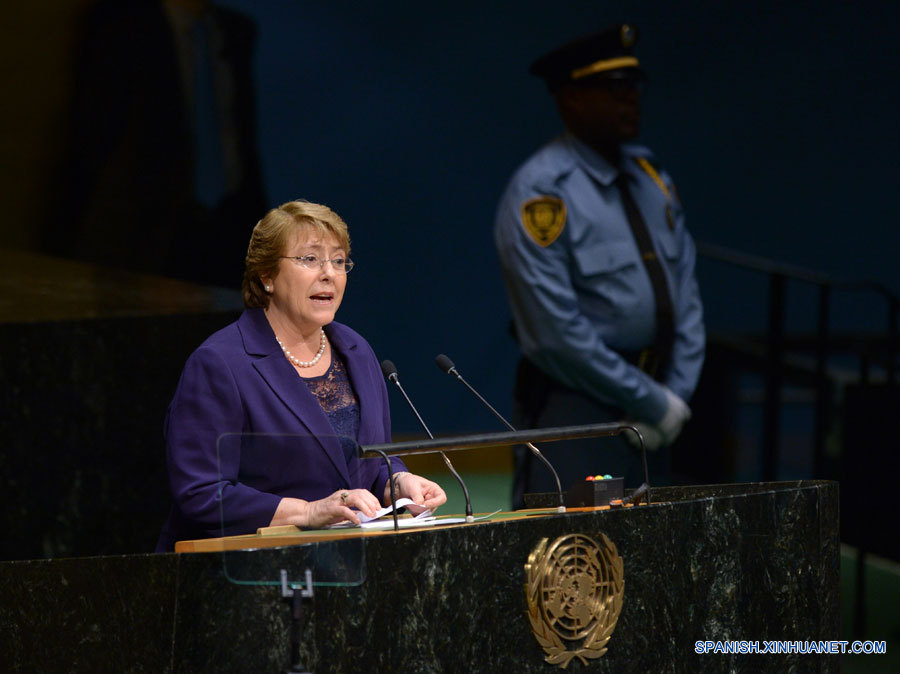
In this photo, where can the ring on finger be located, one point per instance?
(344, 495)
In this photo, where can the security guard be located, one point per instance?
(599, 271)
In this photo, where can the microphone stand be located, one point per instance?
(487, 440)
(391, 488)
(446, 365)
(644, 490)
(391, 373)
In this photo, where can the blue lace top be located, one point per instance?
(337, 399)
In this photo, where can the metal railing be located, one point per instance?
(773, 356)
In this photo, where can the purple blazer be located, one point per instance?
(243, 431)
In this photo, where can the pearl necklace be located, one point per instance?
(304, 363)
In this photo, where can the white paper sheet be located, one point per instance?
(423, 519)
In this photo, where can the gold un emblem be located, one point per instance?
(574, 590)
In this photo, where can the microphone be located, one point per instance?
(446, 365)
(390, 372)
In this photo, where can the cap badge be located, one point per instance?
(544, 219)
(627, 35)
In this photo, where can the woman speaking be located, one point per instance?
(264, 424)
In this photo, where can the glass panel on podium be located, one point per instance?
(255, 470)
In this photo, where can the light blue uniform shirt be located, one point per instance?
(580, 301)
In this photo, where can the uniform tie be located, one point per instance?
(665, 320)
(209, 155)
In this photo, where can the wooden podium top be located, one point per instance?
(273, 537)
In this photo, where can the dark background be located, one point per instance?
(776, 120)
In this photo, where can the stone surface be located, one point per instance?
(89, 359)
(729, 562)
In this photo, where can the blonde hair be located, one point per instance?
(272, 235)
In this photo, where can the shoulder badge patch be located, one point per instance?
(544, 219)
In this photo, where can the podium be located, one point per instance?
(744, 562)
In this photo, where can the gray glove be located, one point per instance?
(664, 432)
(653, 438)
(675, 417)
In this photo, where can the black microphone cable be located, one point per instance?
(390, 372)
(446, 365)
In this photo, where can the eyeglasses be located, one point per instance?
(341, 265)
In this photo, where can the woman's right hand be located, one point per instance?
(333, 508)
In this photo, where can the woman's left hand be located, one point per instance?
(427, 495)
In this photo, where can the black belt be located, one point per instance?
(533, 385)
(647, 360)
